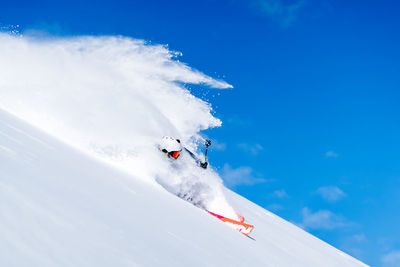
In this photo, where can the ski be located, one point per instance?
(239, 226)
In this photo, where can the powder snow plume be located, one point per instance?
(113, 97)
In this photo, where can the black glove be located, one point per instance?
(204, 165)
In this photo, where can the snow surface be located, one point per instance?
(83, 184)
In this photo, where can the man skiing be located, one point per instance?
(193, 189)
(173, 148)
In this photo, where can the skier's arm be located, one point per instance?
(202, 164)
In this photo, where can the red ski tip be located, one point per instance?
(239, 226)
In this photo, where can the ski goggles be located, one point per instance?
(174, 154)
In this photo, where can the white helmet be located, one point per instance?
(169, 144)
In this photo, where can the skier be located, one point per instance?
(194, 192)
(173, 148)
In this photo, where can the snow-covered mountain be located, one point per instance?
(82, 182)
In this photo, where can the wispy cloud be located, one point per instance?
(253, 149)
(391, 259)
(280, 11)
(280, 194)
(331, 154)
(218, 145)
(359, 238)
(274, 207)
(354, 244)
(321, 219)
(243, 175)
(331, 193)
(239, 121)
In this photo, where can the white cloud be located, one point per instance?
(353, 244)
(359, 238)
(280, 194)
(279, 11)
(243, 175)
(274, 207)
(253, 149)
(331, 154)
(331, 193)
(218, 146)
(353, 251)
(239, 121)
(321, 219)
(391, 259)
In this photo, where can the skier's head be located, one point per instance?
(171, 146)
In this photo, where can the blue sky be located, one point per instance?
(311, 129)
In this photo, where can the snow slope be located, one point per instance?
(82, 182)
(60, 207)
